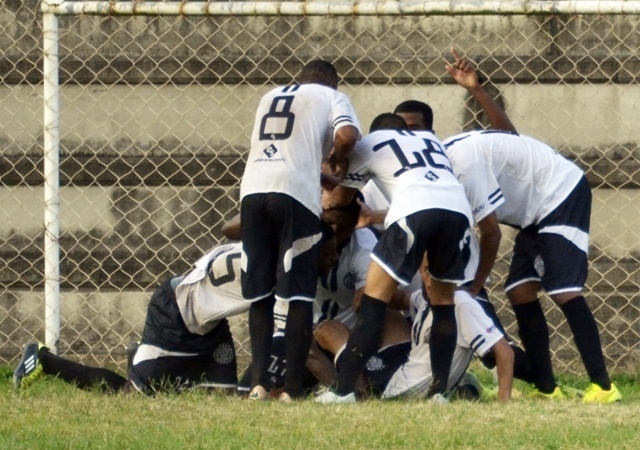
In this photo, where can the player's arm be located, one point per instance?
(370, 216)
(490, 236)
(344, 140)
(320, 365)
(231, 229)
(504, 357)
(466, 76)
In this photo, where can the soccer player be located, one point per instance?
(295, 129)
(428, 213)
(394, 374)
(519, 181)
(338, 286)
(186, 340)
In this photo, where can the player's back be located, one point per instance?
(533, 178)
(293, 132)
(211, 291)
(411, 169)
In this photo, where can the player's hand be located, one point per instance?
(462, 71)
(364, 218)
(336, 164)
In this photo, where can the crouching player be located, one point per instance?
(412, 376)
(186, 341)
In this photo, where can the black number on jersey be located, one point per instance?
(424, 158)
(226, 278)
(279, 116)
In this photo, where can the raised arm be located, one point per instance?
(466, 76)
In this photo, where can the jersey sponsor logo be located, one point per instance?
(270, 151)
(491, 329)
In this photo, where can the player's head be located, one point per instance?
(388, 121)
(319, 72)
(344, 219)
(418, 115)
(328, 256)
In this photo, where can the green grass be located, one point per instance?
(51, 415)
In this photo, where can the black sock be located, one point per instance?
(362, 344)
(534, 334)
(587, 340)
(298, 334)
(261, 334)
(84, 377)
(521, 365)
(442, 345)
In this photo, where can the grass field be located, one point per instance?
(52, 415)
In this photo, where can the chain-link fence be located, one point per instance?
(155, 118)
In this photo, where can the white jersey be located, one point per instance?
(334, 296)
(411, 170)
(293, 132)
(476, 333)
(211, 291)
(518, 177)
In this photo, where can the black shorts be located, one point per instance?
(554, 252)
(380, 367)
(443, 234)
(155, 369)
(280, 245)
(165, 328)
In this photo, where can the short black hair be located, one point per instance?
(388, 121)
(321, 72)
(415, 106)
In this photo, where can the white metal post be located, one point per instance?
(51, 183)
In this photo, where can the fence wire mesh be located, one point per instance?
(156, 115)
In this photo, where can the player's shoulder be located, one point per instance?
(452, 141)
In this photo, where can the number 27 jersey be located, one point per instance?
(293, 132)
(411, 170)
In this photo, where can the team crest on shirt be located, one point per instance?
(270, 151)
(350, 281)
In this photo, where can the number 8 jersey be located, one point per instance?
(293, 132)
